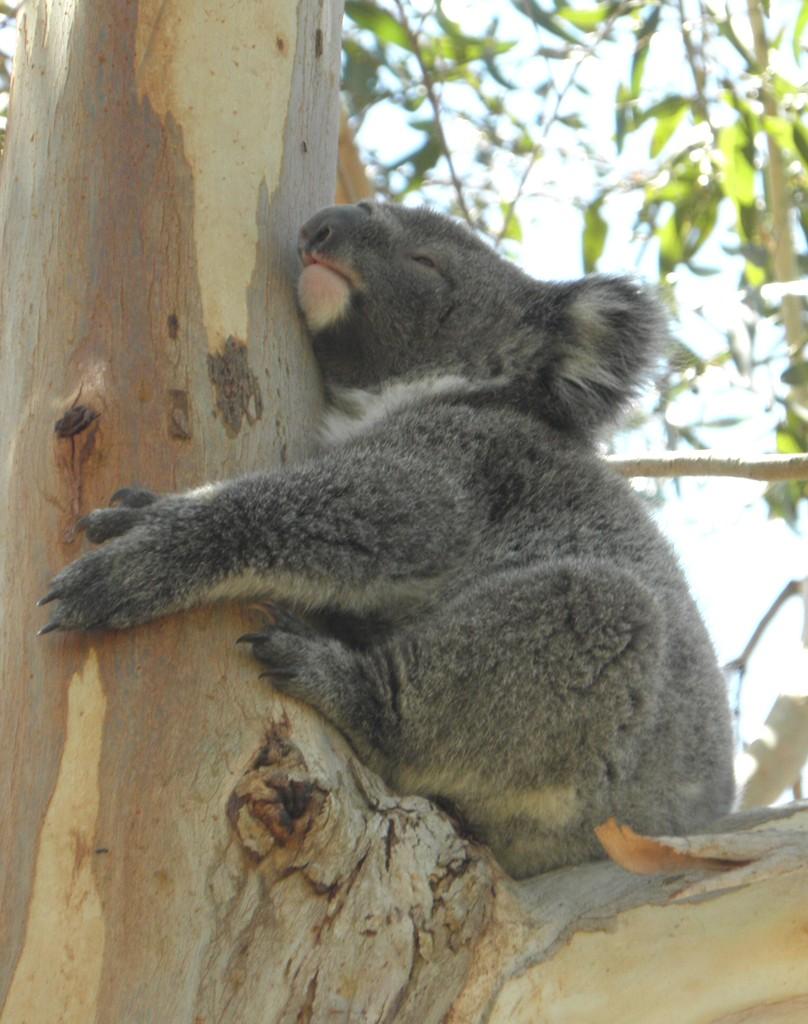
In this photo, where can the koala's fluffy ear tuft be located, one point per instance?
(605, 351)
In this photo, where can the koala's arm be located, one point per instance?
(352, 530)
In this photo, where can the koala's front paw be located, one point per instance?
(292, 650)
(319, 669)
(106, 523)
(123, 584)
(281, 644)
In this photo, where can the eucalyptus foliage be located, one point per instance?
(7, 16)
(708, 150)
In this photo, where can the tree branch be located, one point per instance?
(696, 64)
(755, 467)
(791, 589)
(783, 253)
(352, 180)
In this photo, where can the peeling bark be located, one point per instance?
(238, 393)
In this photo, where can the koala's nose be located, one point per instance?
(330, 227)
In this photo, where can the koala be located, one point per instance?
(498, 624)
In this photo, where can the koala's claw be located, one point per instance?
(55, 622)
(133, 497)
(280, 644)
(105, 523)
(288, 621)
(126, 512)
(50, 628)
(251, 638)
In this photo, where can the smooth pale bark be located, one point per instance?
(755, 467)
(595, 944)
(177, 843)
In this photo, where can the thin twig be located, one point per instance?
(739, 665)
(561, 95)
(435, 104)
(791, 589)
(696, 66)
(756, 467)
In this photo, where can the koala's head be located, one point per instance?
(391, 293)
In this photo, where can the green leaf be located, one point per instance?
(513, 232)
(783, 88)
(676, 190)
(748, 222)
(588, 19)
(423, 159)
(523, 144)
(414, 101)
(664, 108)
(643, 36)
(666, 125)
(671, 250)
(696, 222)
(455, 45)
(780, 129)
(595, 231)
(738, 173)
(495, 72)
(383, 25)
(783, 498)
(462, 49)
(787, 444)
(799, 28)
(796, 375)
(360, 74)
(755, 276)
(801, 141)
(726, 30)
(623, 116)
(544, 20)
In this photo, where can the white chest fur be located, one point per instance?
(354, 410)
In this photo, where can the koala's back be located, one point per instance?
(560, 674)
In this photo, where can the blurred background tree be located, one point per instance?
(671, 128)
(7, 22)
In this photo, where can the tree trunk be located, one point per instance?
(179, 844)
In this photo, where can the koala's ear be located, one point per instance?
(598, 350)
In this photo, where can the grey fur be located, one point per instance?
(501, 626)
